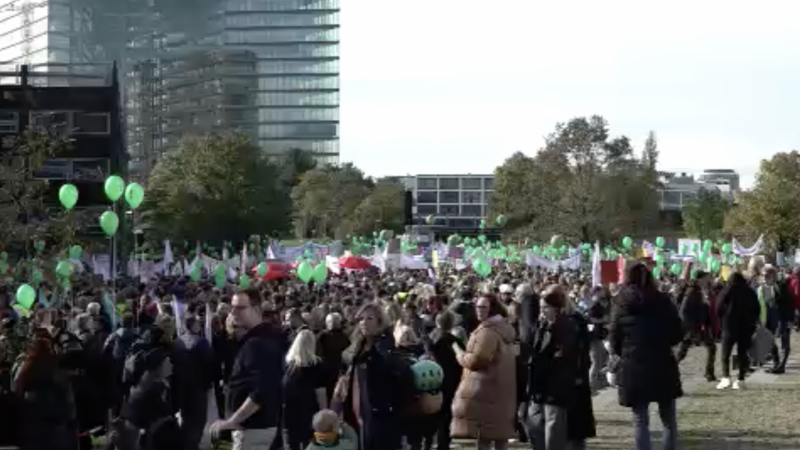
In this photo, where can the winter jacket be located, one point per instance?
(644, 328)
(580, 413)
(485, 402)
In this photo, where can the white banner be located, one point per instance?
(755, 249)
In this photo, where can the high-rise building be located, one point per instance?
(267, 67)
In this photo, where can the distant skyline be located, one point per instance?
(449, 86)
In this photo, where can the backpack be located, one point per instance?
(413, 403)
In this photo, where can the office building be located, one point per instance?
(90, 114)
(456, 201)
(267, 67)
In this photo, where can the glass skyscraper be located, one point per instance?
(267, 67)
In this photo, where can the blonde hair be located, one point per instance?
(303, 352)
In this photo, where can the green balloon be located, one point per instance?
(660, 242)
(627, 242)
(244, 281)
(39, 245)
(4, 256)
(37, 276)
(481, 267)
(114, 187)
(501, 220)
(305, 271)
(26, 295)
(63, 269)
(134, 194)
(219, 271)
(675, 269)
(68, 196)
(219, 282)
(262, 269)
(75, 252)
(109, 222)
(320, 273)
(195, 273)
(727, 249)
(656, 272)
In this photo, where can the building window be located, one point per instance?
(471, 197)
(448, 210)
(426, 197)
(448, 197)
(671, 197)
(471, 211)
(9, 122)
(425, 210)
(448, 183)
(91, 123)
(95, 170)
(55, 169)
(53, 120)
(470, 183)
(427, 183)
(488, 183)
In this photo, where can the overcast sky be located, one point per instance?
(446, 86)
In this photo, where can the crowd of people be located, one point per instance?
(290, 365)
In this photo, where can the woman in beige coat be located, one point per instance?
(484, 407)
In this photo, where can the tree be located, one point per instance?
(650, 151)
(771, 208)
(215, 187)
(291, 167)
(382, 209)
(582, 184)
(24, 212)
(704, 215)
(326, 197)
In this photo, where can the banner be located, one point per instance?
(755, 249)
(571, 263)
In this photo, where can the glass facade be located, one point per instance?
(459, 199)
(267, 67)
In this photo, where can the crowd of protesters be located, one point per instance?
(288, 365)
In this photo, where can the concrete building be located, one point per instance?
(267, 67)
(457, 201)
(679, 188)
(721, 178)
(89, 114)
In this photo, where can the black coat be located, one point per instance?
(738, 310)
(644, 328)
(580, 414)
(553, 363)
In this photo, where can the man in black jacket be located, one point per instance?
(255, 386)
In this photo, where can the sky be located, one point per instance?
(455, 87)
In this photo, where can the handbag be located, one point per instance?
(761, 344)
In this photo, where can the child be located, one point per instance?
(331, 434)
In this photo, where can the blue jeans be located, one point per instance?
(641, 423)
